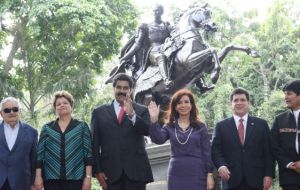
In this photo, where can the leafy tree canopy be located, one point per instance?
(59, 44)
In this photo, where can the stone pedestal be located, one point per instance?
(159, 156)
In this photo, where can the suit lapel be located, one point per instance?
(249, 129)
(233, 130)
(112, 112)
(21, 135)
(2, 136)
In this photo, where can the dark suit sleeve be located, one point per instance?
(41, 147)
(217, 155)
(206, 149)
(96, 143)
(279, 153)
(142, 123)
(33, 155)
(268, 155)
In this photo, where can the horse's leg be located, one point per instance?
(223, 53)
(216, 70)
(200, 57)
(202, 86)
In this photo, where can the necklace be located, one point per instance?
(187, 139)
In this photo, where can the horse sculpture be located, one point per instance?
(190, 58)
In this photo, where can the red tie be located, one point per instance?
(241, 131)
(121, 113)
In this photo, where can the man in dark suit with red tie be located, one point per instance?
(286, 139)
(118, 129)
(241, 149)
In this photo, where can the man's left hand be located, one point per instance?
(297, 166)
(128, 106)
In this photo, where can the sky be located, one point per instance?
(239, 6)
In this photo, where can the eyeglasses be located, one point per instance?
(9, 110)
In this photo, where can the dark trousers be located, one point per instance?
(5, 186)
(124, 183)
(63, 185)
(243, 186)
(290, 187)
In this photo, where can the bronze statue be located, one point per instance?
(188, 57)
(145, 48)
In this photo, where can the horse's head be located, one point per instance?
(199, 17)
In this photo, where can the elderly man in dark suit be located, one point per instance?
(118, 129)
(17, 148)
(241, 148)
(286, 139)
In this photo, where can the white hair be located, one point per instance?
(9, 99)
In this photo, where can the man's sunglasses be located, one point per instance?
(9, 110)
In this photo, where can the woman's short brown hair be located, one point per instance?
(62, 94)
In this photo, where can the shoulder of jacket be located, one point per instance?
(224, 121)
(101, 107)
(283, 114)
(257, 119)
(28, 126)
(49, 124)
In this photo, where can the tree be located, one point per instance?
(278, 44)
(61, 44)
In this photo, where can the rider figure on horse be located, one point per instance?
(149, 39)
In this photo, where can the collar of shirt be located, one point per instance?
(117, 107)
(11, 134)
(237, 120)
(296, 115)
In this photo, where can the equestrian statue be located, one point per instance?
(162, 59)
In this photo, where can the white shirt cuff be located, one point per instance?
(221, 167)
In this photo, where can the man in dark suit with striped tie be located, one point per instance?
(118, 129)
(286, 139)
(241, 149)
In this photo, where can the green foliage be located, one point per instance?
(95, 185)
(272, 107)
(83, 108)
(62, 44)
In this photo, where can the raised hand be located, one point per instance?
(128, 106)
(153, 111)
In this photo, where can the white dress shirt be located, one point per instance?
(296, 114)
(11, 134)
(237, 122)
(117, 108)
